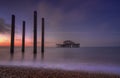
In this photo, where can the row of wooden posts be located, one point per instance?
(23, 35)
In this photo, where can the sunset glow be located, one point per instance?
(4, 40)
(85, 22)
(72, 35)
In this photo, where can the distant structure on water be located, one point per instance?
(68, 44)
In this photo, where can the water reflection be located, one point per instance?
(34, 56)
(11, 56)
(42, 56)
(22, 56)
(73, 55)
(25, 56)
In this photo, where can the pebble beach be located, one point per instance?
(31, 72)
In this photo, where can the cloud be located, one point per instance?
(50, 13)
(66, 16)
(4, 27)
(56, 16)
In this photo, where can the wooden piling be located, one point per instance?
(35, 32)
(23, 37)
(12, 34)
(42, 40)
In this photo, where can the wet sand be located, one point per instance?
(27, 72)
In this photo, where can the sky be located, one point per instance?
(92, 23)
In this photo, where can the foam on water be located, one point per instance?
(75, 67)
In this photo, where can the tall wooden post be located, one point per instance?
(35, 32)
(12, 34)
(23, 37)
(42, 40)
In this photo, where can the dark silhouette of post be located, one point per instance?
(42, 56)
(23, 37)
(34, 56)
(35, 32)
(42, 40)
(22, 56)
(12, 34)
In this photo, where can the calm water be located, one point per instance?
(100, 59)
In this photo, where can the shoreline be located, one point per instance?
(106, 69)
(32, 72)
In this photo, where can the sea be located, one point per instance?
(92, 59)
